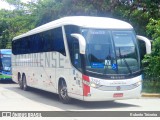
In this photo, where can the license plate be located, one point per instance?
(115, 95)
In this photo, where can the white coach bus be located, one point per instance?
(81, 57)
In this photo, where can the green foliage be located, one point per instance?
(13, 23)
(153, 28)
(152, 62)
(150, 86)
(4, 29)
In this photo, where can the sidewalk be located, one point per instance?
(151, 95)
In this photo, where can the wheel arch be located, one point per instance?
(63, 92)
(60, 81)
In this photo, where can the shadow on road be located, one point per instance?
(7, 82)
(51, 99)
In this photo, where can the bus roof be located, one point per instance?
(5, 51)
(82, 21)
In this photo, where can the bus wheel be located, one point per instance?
(20, 81)
(63, 93)
(24, 83)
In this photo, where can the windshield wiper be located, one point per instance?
(129, 69)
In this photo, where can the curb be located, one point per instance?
(150, 95)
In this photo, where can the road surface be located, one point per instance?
(12, 98)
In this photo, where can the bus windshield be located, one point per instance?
(111, 52)
(6, 63)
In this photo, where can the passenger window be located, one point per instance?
(47, 41)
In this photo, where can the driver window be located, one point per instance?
(75, 57)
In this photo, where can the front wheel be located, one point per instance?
(63, 93)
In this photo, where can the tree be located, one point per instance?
(13, 23)
(152, 62)
(4, 32)
(33, 14)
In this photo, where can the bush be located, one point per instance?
(150, 86)
(151, 62)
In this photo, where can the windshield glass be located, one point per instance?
(6, 63)
(111, 52)
(126, 52)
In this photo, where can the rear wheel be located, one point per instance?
(20, 81)
(24, 83)
(63, 93)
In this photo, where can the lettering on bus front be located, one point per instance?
(49, 60)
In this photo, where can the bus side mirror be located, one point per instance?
(147, 43)
(82, 42)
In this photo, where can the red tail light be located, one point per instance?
(86, 87)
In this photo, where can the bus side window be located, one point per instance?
(58, 42)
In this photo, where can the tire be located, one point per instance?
(24, 83)
(20, 81)
(63, 93)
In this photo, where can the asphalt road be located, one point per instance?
(12, 98)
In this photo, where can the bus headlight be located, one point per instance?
(138, 83)
(89, 83)
(94, 85)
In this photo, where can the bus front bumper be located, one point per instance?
(99, 95)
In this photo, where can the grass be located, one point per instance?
(151, 86)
